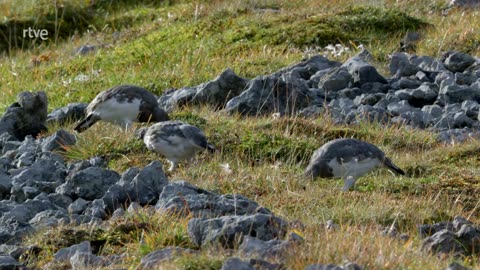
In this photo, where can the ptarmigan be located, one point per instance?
(176, 141)
(122, 105)
(348, 159)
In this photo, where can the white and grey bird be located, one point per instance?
(176, 140)
(348, 159)
(122, 105)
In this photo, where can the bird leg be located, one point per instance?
(127, 126)
(349, 183)
(173, 165)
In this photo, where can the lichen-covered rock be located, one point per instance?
(25, 117)
(154, 259)
(183, 198)
(457, 61)
(60, 140)
(90, 183)
(271, 94)
(142, 186)
(216, 92)
(227, 230)
(73, 112)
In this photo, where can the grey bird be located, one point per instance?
(122, 105)
(348, 159)
(176, 141)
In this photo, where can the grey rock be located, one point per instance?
(216, 92)
(465, 78)
(471, 108)
(145, 187)
(260, 264)
(443, 241)
(115, 197)
(134, 209)
(74, 168)
(271, 94)
(344, 104)
(400, 65)
(415, 119)
(73, 112)
(455, 93)
(9, 145)
(25, 160)
(118, 214)
(78, 206)
(308, 67)
(444, 122)
(58, 141)
(90, 183)
(183, 198)
(457, 61)
(457, 135)
(372, 114)
(5, 185)
(9, 263)
(398, 108)
(59, 200)
(49, 219)
(315, 78)
(456, 266)
(350, 93)
(63, 255)
(227, 230)
(362, 72)
(313, 111)
(460, 237)
(452, 109)
(323, 267)
(421, 76)
(234, 263)
(96, 209)
(368, 99)
(461, 120)
(469, 237)
(86, 260)
(459, 221)
(427, 63)
(254, 247)
(405, 83)
(336, 79)
(25, 117)
(426, 230)
(154, 259)
(425, 94)
(44, 175)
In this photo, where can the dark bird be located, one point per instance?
(348, 159)
(122, 105)
(176, 141)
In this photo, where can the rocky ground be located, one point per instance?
(40, 189)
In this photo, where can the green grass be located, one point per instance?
(173, 44)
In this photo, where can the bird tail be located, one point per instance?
(85, 123)
(211, 148)
(389, 164)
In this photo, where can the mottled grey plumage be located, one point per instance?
(176, 140)
(123, 105)
(348, 159)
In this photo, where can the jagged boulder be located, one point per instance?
(26, 116)
(215, 92)
(182, 198)
(227, 230)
